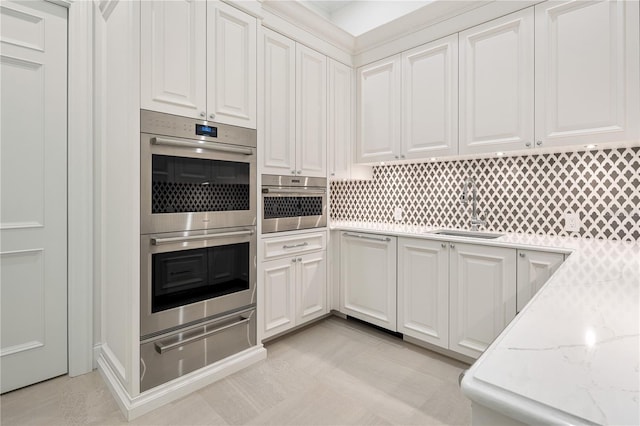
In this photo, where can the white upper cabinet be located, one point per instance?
(279, 153)
(379, 115)
(340, 125)
(497, 84)
(586, 69)
(311, 112)
(430, 99)
(295, 92)
(198, 59)
(231, 66)
(173, 57)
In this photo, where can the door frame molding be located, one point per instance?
(80, 183)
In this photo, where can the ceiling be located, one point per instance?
(361, 16)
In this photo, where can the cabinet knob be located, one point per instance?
(397, 157)
(402, 156)
(521, 254)
(539, 143)
(203, 115)
(443, 245)
(333, 174)
(293, 172)
(299, 171)
(299, 259)
(294, 260)
(452, 245)
(527, 144)
(212, 116)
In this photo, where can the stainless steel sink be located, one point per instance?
(467, 234)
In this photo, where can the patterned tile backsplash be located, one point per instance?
(527, 194)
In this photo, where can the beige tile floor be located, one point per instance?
(335, 372)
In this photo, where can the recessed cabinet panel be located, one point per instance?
(312, 287)
(483, 296)
(368, 278)
(279, 154)
(496, 84)
(173, 57)
(534, 269)
(379, 114)
(430, 99)
(311, 112)
(279, 296)
(587, 72)
(423, 290)
(231, 66)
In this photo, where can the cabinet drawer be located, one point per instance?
(294, 244)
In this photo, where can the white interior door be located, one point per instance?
(33, 184)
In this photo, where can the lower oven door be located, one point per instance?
(289, 209)
(187, 277)
(172, 355)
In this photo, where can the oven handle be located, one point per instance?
(169, 240)
(293, 191)
(161, 348)
(203, 145)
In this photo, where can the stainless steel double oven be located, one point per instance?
(197, 244)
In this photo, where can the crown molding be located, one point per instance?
(304, 18)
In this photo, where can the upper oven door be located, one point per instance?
(192, 184)
(189, 276)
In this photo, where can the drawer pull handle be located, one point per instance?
(162, 347)
(366, 237)
(211, 146)
(295, 245)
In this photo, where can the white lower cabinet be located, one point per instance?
(294, 286)
(482, 299)
(534, 269)
(368, 278)
(423, 290)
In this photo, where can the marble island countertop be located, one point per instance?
(572, 355)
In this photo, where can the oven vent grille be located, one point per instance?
(281, 207)
(172, 197)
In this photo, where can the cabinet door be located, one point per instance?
(173, 48)
(534, 269)
(340, 126)
(231, 65)
(483, 296)
(279, 153)
(379, 115)
(279, 296)
(311, 112)
(368, 278)
(430, 99)
(496, 85)
(587, 72)
(423, 290)
(311, 287)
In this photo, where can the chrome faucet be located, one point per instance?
(470, 184)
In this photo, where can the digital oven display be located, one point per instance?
(202, 130)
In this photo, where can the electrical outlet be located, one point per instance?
(572, 222)
(397, 214)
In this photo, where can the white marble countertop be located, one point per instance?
(572, 355)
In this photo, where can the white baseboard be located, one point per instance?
(133, 407)
(96, 354)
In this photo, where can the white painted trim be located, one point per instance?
(251, 7)
(80, 187)
(177, 388)
(115, 366)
